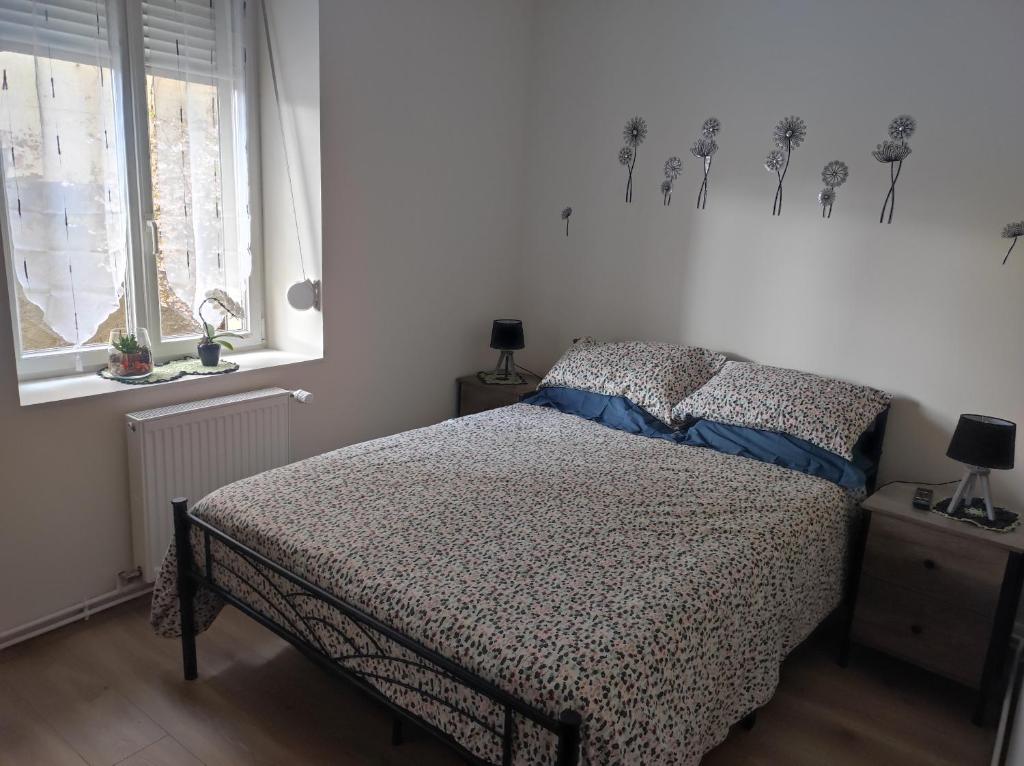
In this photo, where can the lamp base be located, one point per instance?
(975, 480)
(505, 373)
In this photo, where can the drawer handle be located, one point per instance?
(929, 564)
(916, 630)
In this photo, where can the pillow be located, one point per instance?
(652, 375)
(828, 413)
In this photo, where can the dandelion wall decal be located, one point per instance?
(774, 161)
(893, 152)
(566, 212)
(788, 135)
(827, 198)
(633, 134)
(704, 149)
(666, 192)
(1012, 231)
(673, 167)
(833, 175)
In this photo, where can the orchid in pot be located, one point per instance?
(213, 339)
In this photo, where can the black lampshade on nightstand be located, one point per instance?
(506, 336)
(984, 444)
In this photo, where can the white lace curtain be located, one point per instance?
(195, 79)
(62, 164)
(62, 146)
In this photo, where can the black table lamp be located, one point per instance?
(506, 337)
(983, 443)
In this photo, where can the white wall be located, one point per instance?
(294, 29)
(921, 308)
(423, 107)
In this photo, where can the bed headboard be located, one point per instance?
(870, 446)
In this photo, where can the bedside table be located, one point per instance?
(476, 396)
(935, 592)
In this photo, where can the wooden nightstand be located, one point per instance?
(939, 593)
(477, 396)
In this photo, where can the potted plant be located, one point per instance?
(212, 340)
(129, 354)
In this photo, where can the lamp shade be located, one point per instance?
(507, 335)
(983, 441)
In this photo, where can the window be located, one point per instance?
(124, 127)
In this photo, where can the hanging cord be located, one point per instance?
(284, 140)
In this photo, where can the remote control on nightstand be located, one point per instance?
(923, 499)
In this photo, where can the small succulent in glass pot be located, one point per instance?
(130, 354)
(213, 339)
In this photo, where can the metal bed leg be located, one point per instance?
(858, 546)
(186, 587)
(569, 738)
(748, 721)
(1002, 627)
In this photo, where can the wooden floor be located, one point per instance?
(109, 692)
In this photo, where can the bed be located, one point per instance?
(527, 585)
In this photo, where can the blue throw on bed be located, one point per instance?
(767, 446)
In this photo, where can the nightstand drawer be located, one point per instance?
(960, 572)
(924, 630)
(479, 399)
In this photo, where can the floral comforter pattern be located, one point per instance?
(654, 588)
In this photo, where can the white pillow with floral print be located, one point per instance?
(829, 413)
(651, 375)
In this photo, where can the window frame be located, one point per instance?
(141, 291)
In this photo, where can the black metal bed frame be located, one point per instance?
(565, 727)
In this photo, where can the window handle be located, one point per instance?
(154, 235)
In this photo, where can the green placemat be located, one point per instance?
(192, 366)
(164, 373)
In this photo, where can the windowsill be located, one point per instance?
(46, 390)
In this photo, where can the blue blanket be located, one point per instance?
(767, 446)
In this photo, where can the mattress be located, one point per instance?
(654, 588)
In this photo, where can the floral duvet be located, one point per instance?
(654, 588)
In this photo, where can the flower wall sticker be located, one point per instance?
(704, 149)
(893, 151)
(566, 212)
(633, 134)
(833, 176)
(1012, 231)
(827, 198)
(673, 167)
(788, 135)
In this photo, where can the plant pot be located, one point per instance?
(129, 355)
(209, 354)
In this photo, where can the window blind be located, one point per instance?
(180, 38)
(74, 30)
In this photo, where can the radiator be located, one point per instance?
(189, 450)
